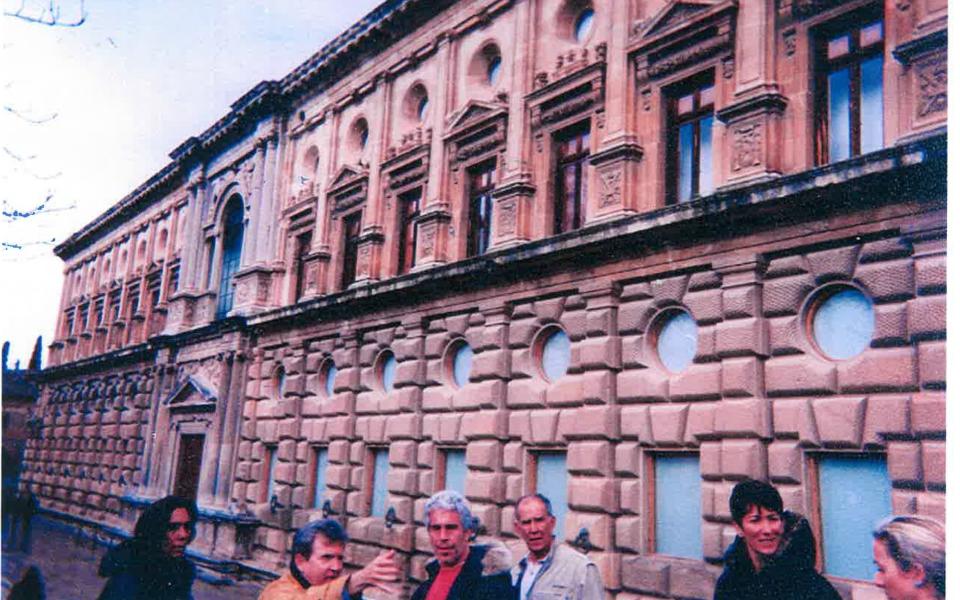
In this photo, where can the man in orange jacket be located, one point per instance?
(316, 569)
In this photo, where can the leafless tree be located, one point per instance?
(46, 14)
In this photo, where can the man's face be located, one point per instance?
(896, 583)
(450, 541)
(179, 530)
(535, 526)
(762, 530)
(325, 562)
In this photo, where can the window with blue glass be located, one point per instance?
(460, 363)
(551, 481)
(843, 323)
(677, 340)
(690, 139)
(854, 496)
(583, 25)
(387, 370)
(230, 260)
(572, 150)
(454, 471)
(269, 472)
(380, 464)
(480, 208)
(329, 377)
(676, 481)
(850, 87)
(320, 462)
(555, 354)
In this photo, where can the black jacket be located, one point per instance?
(485, 576)
(789, 576)
(137, 572)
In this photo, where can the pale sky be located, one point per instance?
(130, 84)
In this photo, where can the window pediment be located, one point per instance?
(682, 35)
(474, 113)
(349, 187)
(477, 130)
(192, 395)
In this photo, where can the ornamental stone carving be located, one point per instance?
(507, 218)
(610, 194)
(931, 77)
(747, 146)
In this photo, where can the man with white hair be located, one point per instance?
(459, 570)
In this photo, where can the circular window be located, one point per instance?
(387, 370)
(555, 355)
(583, 25)
(677, 341)
(460, 363)
(329, 376)
(843, 323)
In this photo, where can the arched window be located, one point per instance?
(232, 245)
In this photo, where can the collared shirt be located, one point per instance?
(564, 574)
(530, 573)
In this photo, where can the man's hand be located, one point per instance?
(381, 571)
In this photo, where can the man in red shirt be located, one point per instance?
(458, 570)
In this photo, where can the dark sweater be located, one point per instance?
(485, 576)
(136, 572)
(790, 574)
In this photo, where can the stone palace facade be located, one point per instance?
(626, 253)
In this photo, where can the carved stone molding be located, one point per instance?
(927, 57)
(747, 146)
(476, 132)
(348, 188)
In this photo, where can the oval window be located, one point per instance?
(677, 341)
(329, 378)
(583, 25)
(843, 323)
(555, 356)
(461, 364)
(422, 105)
(493, 69)
(388, 370)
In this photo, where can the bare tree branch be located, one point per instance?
(31, 120)
(17, 157)
(49, 15)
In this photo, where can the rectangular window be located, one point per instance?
(351, 242)
(454, 473)
(269, 472)
(676, 510)
(114, 305)
(99, 310)
(154, 291)
(173, 282)
(379, 463)
(133, 299)
(572, 148)
(409, 209)
(480, 208)
(210, 248)
(68, 323)
(551, 480)
(690, 140)
(320, 462)
(853, 495)
(302, 251)
(849, 86)
(83, 319)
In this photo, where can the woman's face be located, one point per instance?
(762, 530)
(898, 584)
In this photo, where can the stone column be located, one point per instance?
(370, 245)
(513, 198)
(754, 128)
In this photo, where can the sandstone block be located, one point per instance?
(890, 326)
(514, 488)
(513, 455)
(526, 393)
(645, 575)
(437, 398)
(784, 296)
(928, 413)
(743, 459)
(697, 382)
(701, 422)
(480, 395)
(483, 455)
(599, 526)
(888, 281)
(706, 306)
(402, 481)
(628, 534)
(589, 458)
(641, 385)
(490, 364)
(588, 422)
(886, 415)
(713, 546)
(879, 370)
(543, 426)
(786, 462)
(835, 263)
(449, 429)
(630, 497)
(485, 487)
(669, 423)
(403, 453)
(933, 365)
(403, 427)
(627, 459)
(932, 504)
(904, 502)
(742, 377)
(710, 460)
(748, 417)
(840, 421)
(599, 353)
(799, 375)
(741, 301)
(934, 464)
(691, 580)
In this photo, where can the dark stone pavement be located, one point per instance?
(69, 567)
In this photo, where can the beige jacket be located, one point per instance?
(288, 588)
(566, 575)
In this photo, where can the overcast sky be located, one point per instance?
(126, 87)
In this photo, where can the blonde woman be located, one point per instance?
(911, 559)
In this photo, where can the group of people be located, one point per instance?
(772, 557)
(18, 510)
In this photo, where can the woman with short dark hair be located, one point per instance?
(773, 555)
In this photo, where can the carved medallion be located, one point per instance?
(746, 146)
(931, 74)
(507, 218)
(610, 180)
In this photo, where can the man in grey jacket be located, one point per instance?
(549, 570)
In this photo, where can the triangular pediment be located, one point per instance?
(673, 15)
(473, 111)
(347, 173)
(191, 395)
